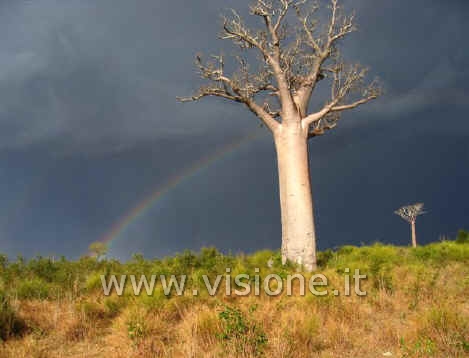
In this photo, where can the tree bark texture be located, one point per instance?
(298, 229)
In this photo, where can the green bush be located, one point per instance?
(33, 289)
(347, 249)
(442, 253)
(241, 332)
(10, 323)
(43, 268)
(260, 259)
(463, 237)
(93, 282)
(136, 325)
(114, 305)
(154, 301)
(209, 257)
(324, 257)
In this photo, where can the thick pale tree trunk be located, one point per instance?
(414, 237)
(298, 231)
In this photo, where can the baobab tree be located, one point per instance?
(291, 60)
(98, 249)
(409, 213)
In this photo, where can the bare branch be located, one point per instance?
(324, 124)
(324, 47)
(346, 26)
(235, 30)
(340, 25)
(309, 28)
(353, 105)
(272, 112)
(314, 117)
(345, 82)
(283, 12)
(240, 87)
(267, 118)
(210, 91)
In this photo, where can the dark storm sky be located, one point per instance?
(89, 126)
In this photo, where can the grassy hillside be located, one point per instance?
(416, 306)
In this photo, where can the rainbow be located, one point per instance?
(139, 210)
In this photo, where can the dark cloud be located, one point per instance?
(89, 126)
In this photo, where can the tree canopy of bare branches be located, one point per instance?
(293, 59)
(410, 212)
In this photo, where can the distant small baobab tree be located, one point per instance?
(409, 213)
(98, 249)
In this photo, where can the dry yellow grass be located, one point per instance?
(409, 311)
(294, 326)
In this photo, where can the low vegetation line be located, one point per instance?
(415, 304)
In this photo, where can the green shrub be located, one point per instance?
(33, 289)
(324, 257)
(43, 268)
(240, 332)
(260, 259)
(93, 282)
(346, 249)
(156, 300)
(136, 325)
(10, 323)
(212, 260)
(185, 262)
(114, 305)
(462, 237)
(442, 253)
